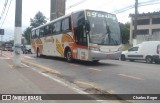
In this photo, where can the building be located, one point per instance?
(148, 27)
(57, 9)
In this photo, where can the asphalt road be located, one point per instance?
(114, 76)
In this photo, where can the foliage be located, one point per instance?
(26, 34)
(125, 31)
(38, 20)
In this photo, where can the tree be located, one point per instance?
(38, 20)
(125, 31)
(27, 34)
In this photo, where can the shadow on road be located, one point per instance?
(140, 61)
(79, 62)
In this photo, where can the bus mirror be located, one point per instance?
(87, 26)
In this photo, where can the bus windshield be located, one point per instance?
(104, 28)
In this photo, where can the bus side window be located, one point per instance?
(58, 27)
(33, 34)
(48, 30)
(41, 34)
(66, 24)
(54, 28)
(37, 33)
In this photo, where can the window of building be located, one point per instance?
(155, 30)
(142, 32)
(156, 21)
(142, 22)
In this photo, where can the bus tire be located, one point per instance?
(69, 56)
(38, 53)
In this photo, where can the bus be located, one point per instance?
(87, 35)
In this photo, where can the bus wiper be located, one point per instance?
(116, 42)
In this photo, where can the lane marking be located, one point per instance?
(85, 83)
(11, 66)
(44, 67)
(5, 56)
(69, 86)
(28, 57)
(129, 76)
(2, 58)
(94, 69)
(25, 65)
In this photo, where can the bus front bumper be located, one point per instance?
(98, 55)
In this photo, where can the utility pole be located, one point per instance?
(1, 34)
(18, 33)
(135, 22)
(57, 9)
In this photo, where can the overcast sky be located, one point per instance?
(31, 7)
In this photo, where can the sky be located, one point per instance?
(31, 7)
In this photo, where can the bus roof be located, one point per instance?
(64, 17)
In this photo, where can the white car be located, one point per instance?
(148, 51)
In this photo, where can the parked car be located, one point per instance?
(148, 51)
(7, 46)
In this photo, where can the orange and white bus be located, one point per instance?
(84, 35)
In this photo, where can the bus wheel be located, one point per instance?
(69, 55)
(38, 53)
(149, 59)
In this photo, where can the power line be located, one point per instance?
(4, 8)
(105, 4)
(76, 4)
(6, 14)
(151, 2)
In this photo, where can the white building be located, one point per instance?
(148, 27)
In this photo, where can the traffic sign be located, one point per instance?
(1, 31)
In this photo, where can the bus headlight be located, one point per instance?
(94, 47)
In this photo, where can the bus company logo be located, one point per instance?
(6, 97)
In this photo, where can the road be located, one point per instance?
(112, 76)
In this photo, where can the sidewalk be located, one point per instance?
(24, 80)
